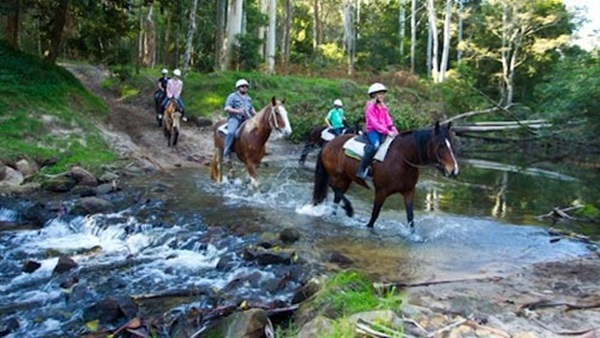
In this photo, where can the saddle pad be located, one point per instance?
(327, 135)
(222, 130)
(355, 147)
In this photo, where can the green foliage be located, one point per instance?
(45, 114)
(377, 45)
(246, 52)
(569, 97)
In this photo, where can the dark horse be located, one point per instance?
(314, 140)
(398, 173)
(172, 122)
(250, 145)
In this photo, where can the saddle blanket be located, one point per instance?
(327, 135)
(355, 147)
(223, 129)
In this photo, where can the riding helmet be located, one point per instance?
(241, 82)
(164, 71)
(177, 72)
(376, 88)
(338, 103)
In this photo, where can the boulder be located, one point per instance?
(289, 235)
(62, 183)
(26, 167)
(247, 324)
(64, 264)
(12, 177)
(92, 205)
(83, 177)
(318, 327)
(30, 266)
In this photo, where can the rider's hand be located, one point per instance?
(393, 133)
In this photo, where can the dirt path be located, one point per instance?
(557, 299)
(133, 132)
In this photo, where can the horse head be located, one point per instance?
(445, 160)
(278, 118)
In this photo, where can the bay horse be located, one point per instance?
(314, 140)
(171, 122)
(398, 173)
(250, 144)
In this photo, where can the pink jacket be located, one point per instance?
(174, 88)
(378, 118)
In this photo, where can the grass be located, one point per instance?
(48, 116)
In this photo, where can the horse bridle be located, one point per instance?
(437, 158)
(273, 119)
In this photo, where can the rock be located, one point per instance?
(12, 177)
(108, 176)
(30, 266)
(267, 257)
(19, 189)
(339, 258)
(2, 171)
(63, 183)
(318, 327)
(386, 317)
(84, 191)
(83, 177)
(9, 325)
(202, 122)
(247, 324)
(64, 264)
(226, 263)
(306, 291)
(107, 188)
(26, 167)
(289, 235)
(92, 205)
(106, 311)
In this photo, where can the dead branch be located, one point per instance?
(560, 213)
(569, 306)
(473, 113)
(170, 293)
(563, 333)
(388, 286)
(448, 327)
(492, 330)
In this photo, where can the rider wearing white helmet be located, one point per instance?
(335, 118)
(238, 107)
(379, 124)
(174, 88)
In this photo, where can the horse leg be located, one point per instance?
(175, 136)
(339, 196)
(377, 204)
(215, 166)
(408, 204)
(252, 175)
(308, 147)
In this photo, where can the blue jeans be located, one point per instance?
(233, 123)
(375, 139)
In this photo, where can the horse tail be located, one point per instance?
(321, 181)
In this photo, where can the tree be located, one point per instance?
(271, 36)
(190, 36)
(434, 45)
(13, 20)
(349, 34)
(234, 28)
(60, 18)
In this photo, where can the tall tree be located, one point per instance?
(413, 33)
(446, 47)
(190, 36)
(271, 36)
(347, 9)
(402, 27)
(220, 33)
(13, 20)
(234, 28)
(287, 30)
(316, 25)
(434, 40)
(56, 34)
(459, 37)
(262, 30)
(149, 58)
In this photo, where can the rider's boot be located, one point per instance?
(363, 170)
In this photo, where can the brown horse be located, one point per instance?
(250, 145)
(171, 123)
(398, 173)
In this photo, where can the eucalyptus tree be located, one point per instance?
(271, 36)
(234, 28)
(349, 33)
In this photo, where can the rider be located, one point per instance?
(238, 107)
(162, 85)
(335, 118)
(378, 125)
(174, 87)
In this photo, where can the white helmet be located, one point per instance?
(241, 82)
(177, 72)
(164, 71)
(376, 88)
(338, 103)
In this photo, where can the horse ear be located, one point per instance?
(449, 125)
(437, 127)
(273, 101)
(282, 101)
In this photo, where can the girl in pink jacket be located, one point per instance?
(379, 124)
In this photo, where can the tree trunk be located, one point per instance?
(316, 25)
(413, 34)
(140, 38)
(60, 18)
(446, 49)
(167, 56)
(262, 30)
(286, 33)
(402, 30)
(349, 33)
(149, 39)
(271, 36)
(435, 41)
(459, 38)
(189, 46)
(220, 33)
(234, 27)
(12, 23)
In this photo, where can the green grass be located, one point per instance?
(46, 114)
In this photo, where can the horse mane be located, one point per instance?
(254, 122)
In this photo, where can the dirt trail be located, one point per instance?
(132, 130)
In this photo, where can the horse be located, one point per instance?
(315, 140)
(397, 173)
(159, 96)
(172, 121)
(250, 144)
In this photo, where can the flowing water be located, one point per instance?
(483, 223)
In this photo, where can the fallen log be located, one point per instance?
(388, 286)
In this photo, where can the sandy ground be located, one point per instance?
(554, 299)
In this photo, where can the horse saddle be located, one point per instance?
(355, 147)
(222, 130)
(327, 134)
